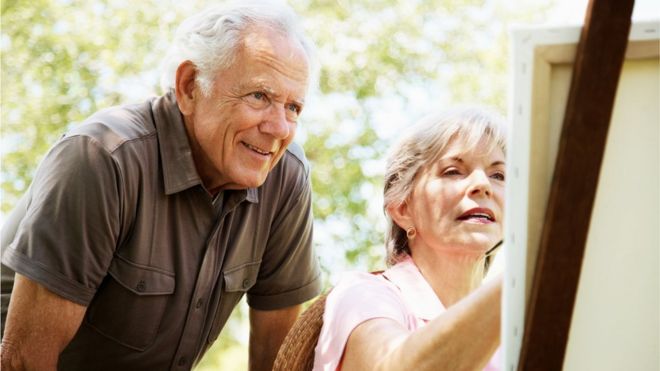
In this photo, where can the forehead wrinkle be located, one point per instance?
(262, 49)
(278, 64)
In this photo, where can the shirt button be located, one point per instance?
(246, 283)
(199, 303)
(141, 286)
(182, 361)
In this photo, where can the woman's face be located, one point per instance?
(457, 203)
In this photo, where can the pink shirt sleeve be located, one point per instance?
(358, 297)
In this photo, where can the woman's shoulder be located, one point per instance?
(351, 282)
(362, 294)
(356, 298)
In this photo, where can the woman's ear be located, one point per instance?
(401, 215)
(185, 87)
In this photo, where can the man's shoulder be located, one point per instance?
(289, 178)
(291, 171)
(295, 157)
(112, 127)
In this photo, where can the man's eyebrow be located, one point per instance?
(252, 86)
(266, 89)
(270, 91)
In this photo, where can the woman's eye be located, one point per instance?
(498, 176)
(451, 172)
(259, 95)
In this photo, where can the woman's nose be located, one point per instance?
(479, 184)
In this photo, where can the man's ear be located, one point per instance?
(185, 87)
(401, 215)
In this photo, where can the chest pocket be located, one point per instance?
(241, 278)
(129, 305)
(236, 282)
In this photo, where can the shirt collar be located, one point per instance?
(178, 166)
(416, 291)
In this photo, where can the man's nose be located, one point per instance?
(276, 123)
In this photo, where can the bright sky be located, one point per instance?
(573, 11)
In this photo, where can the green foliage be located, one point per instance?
(384, 64)
(373, 50)
(370, 46)
(62, 61)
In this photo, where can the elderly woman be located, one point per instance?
(444, 199)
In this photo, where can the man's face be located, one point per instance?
(243, 127)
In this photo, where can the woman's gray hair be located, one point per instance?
(423, 145)
(211, 38)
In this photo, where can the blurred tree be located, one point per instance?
(384, 64)
(418, 54)
(64, 59)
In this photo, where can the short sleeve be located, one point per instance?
(358, 297)
(66, 239)
(289, 272)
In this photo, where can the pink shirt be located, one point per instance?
(401, 293)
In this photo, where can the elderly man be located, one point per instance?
(145, 225)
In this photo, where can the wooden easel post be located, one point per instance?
(596, 72)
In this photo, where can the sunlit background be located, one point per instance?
(385, 63)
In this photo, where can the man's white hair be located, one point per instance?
(211, 38)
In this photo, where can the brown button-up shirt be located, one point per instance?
(117, 219)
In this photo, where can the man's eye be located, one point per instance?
(294, 108)
(292, 111)
(257, 99)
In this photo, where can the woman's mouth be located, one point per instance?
(478, 215)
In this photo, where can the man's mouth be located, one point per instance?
(483, 215)
(257, 149)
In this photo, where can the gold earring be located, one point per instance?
(411, 232)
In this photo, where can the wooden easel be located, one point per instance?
(596, 72)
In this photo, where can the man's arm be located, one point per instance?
(40, 324)
(267, 331)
